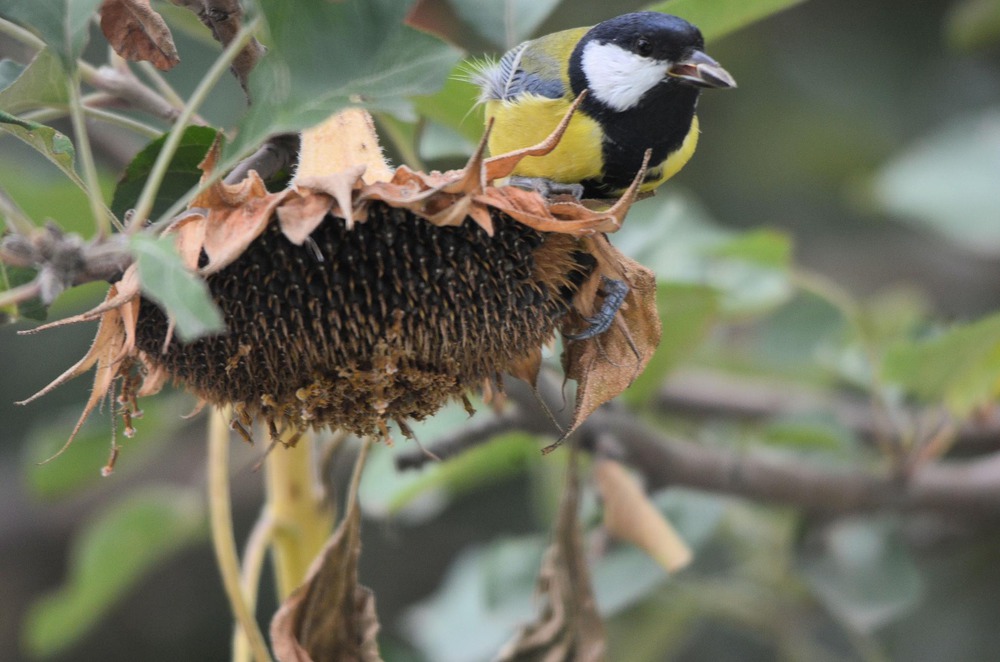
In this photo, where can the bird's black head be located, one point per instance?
(650, 34)
(625, 59)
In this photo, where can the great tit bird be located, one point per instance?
(643, 73)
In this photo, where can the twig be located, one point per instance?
(144, 205)
(887, 435)
(967, 488)
(955, 488)
(17, 221)
(162, 86)
(468, 437)
(279, 152)
(702, 393)
(62, 260)
(223, 540)
(253, 563)
(21, 294)
(102, 217)
(122, 121)
(124, 85)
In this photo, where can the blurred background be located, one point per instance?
(866, 134)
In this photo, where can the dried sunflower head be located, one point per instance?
(360, 295)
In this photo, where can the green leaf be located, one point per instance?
(817, 433)
(687, 312)
(947, 182)
(62, 24)
(325, 56)
(40, 84)
(183, 295)
(768, 248)
(973, 24)
(80, 465)
(53, 145)
(454, 106)
(418, 495)
(49, 195)
(485, 595)
(182, 172)
(9, 71)
(504, 456)
(674, 236)
(791, 339)
(439, 142)
(11, 277)
(505, 23)
(111, 556)
(960, 367)
(718, 18)
(863, 572)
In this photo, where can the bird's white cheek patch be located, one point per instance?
(617, 77)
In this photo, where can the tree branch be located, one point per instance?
(712, 394)
(969, 488)
(956, 488)
(63, 260)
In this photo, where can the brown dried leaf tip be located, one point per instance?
(352, 304)
(137, 32)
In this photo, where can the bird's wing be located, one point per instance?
(536, 67)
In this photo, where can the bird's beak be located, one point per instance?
(701, 71)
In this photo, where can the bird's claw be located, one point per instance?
(547, 188)
(614, 297)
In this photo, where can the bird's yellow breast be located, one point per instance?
(529, 120)
(579, 155)
(659, 173)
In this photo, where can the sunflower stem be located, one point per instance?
(122, 121)
(302, 520)
(223, 540)
(144, 206)
(253, 562)
(24, 36)
(102, 217)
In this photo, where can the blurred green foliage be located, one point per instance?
(117, 548)
(855, 129)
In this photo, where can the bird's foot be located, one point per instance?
(615, 292)
(547, 188)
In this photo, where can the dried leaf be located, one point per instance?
(189, 235)
(302, 213)
(106, 351)
(137, 32)
(127, 289)
(605, 365)
(224, 19)
(526, 369)
(339, 185)
(105, 338)
(568, 627)
(331, 616)
(630, 515)
(236, 215)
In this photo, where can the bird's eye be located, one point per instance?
(643, 46)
